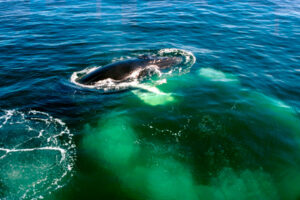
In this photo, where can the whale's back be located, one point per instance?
(121, 70)
(117, 71)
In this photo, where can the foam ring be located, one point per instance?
(36, 154)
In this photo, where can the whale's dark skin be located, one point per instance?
(121, 70)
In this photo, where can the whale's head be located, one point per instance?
(162, 62)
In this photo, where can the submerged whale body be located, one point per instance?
(121, 70)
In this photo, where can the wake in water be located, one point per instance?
(36, 154)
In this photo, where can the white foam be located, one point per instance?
(4, 118)
(190, 59)
(61, 150)
(76, 75)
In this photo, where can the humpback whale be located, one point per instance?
(123, 69)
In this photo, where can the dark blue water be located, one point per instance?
(223, 125)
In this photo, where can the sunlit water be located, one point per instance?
(224, 124)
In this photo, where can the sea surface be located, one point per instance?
(224, 124)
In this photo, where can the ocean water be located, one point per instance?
(224, 124)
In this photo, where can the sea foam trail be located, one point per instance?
(36, 154)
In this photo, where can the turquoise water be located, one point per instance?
(222, 125)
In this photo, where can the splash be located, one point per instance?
(189, 58)
(36, 154)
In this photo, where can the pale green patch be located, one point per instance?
(169, 179)
(269, 102)
(153, 96)
(180, 82)
(155, 99)
(277, 110)
(163, 179)
(112, 141)
(216, 75)
(244, 185)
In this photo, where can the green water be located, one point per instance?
(177, 142)
(224, 124)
